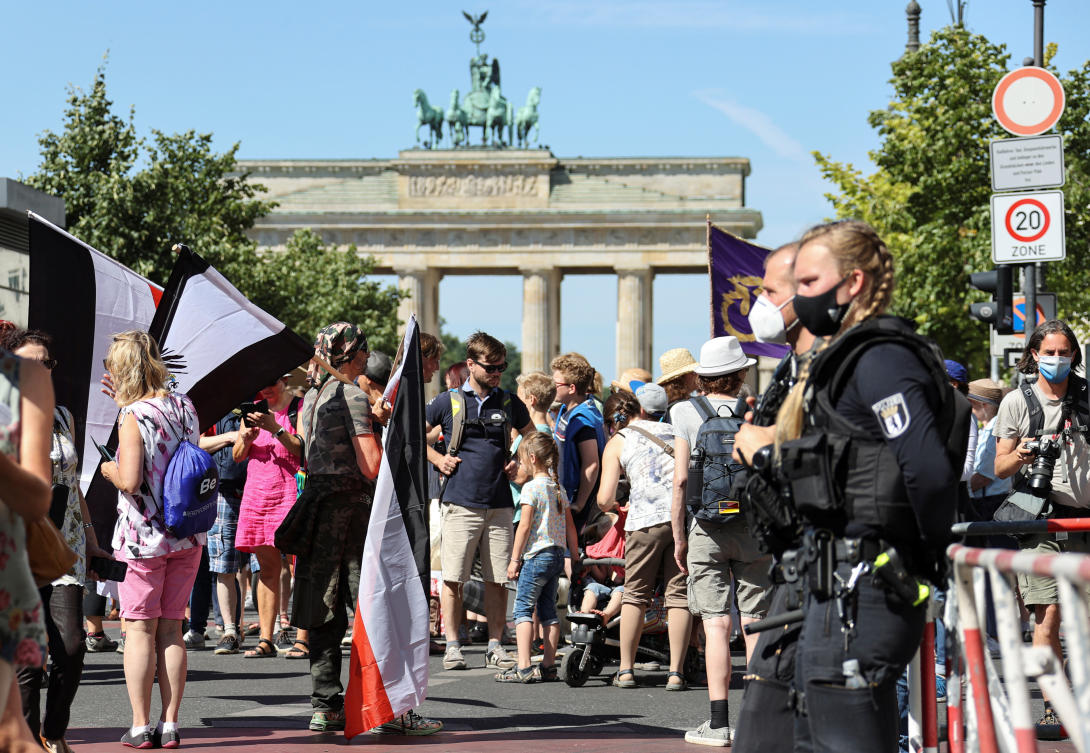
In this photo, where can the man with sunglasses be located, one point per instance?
(476, 500)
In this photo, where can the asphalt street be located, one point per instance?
(232, 702)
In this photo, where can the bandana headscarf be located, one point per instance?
(336, 343)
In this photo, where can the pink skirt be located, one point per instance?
(258, 518)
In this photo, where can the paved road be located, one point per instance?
(262, 704)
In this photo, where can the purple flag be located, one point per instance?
(736, 269)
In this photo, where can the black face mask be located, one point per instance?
(820, 313)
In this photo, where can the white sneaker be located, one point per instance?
(498, 658)
(193, 640)
(453, 658)
(705, 734)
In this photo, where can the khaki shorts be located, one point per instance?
(464, 530)
(1036, 589)
(717, 552)
(649, 553)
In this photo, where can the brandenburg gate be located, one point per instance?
(504, 207)
(435, 212)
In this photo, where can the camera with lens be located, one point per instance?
(1039, 476)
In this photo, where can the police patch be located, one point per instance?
(892, 413)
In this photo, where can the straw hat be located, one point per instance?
(635, 374)
(674, 363)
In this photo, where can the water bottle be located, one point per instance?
(853, 678)
(694, 487)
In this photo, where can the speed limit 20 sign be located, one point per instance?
(1027, 227)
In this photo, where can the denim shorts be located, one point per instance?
(601, 591)
(537, 585)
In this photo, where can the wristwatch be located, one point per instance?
(279, 431)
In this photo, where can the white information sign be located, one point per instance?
(1003, 345)
(1023, 164)
(1027, 227)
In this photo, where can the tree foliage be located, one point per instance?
(133, 198)
(312, 284)
(930, 195)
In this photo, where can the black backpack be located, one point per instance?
(712, 471)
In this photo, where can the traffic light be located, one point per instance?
(998, 312)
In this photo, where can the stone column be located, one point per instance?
(540, 318)
(422, 285)
(634, 292)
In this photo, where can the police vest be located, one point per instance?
(839, 471)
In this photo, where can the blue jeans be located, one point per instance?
(537, 585)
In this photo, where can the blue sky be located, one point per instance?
(770, 81)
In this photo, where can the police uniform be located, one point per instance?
(875, 479)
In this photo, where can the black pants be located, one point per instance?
(766, 718)
(887, 634)
(62, 609)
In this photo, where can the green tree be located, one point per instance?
(455, 351)
(929, 197)
(311, 284)
(133, 198)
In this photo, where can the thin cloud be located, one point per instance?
(692, 14)
(757, 123)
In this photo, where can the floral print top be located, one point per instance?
(22, 631)
(140, 531)
(65, 459)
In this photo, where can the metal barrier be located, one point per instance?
(999, 716)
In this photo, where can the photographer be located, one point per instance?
(1052, 458)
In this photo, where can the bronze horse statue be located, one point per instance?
(527, 118)
(426, 115)
(456, 120)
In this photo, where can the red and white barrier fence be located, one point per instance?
(998, 716)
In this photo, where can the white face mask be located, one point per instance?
(766, 321)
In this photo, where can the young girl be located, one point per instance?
(538, 555)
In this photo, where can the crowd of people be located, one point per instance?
(821, 507)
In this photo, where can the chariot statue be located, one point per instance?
(484, 106)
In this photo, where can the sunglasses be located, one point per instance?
(497, 369)
(49, 363)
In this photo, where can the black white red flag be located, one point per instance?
(388, 672)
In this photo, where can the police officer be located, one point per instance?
(868, 441)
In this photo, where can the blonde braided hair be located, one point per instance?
(854, 245)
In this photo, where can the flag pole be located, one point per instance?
(330, 370)
(711, 287)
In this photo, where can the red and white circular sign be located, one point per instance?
(1027, 220)
(1028, 101)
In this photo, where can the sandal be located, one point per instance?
(629, 683)
(681, 683)
(265, 649)
(546, 674)
(298, 653)
(514, 674)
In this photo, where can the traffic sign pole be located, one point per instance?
(1030, 286)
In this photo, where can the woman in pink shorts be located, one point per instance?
(161, 568)
(273, 449)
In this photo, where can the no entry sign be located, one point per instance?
(1028, 227)
(1028, 101)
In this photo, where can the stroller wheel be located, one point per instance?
(569, 666)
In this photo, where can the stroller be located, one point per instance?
(596, 644)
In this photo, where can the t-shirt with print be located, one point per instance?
(650, 473)
(549, 525)
(516, 489)
(479, 481)
(65, 458)
(343, 412)
(140, 531)
(1071, 476)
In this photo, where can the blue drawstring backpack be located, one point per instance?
(189, 488)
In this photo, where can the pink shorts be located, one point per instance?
(158, 586)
